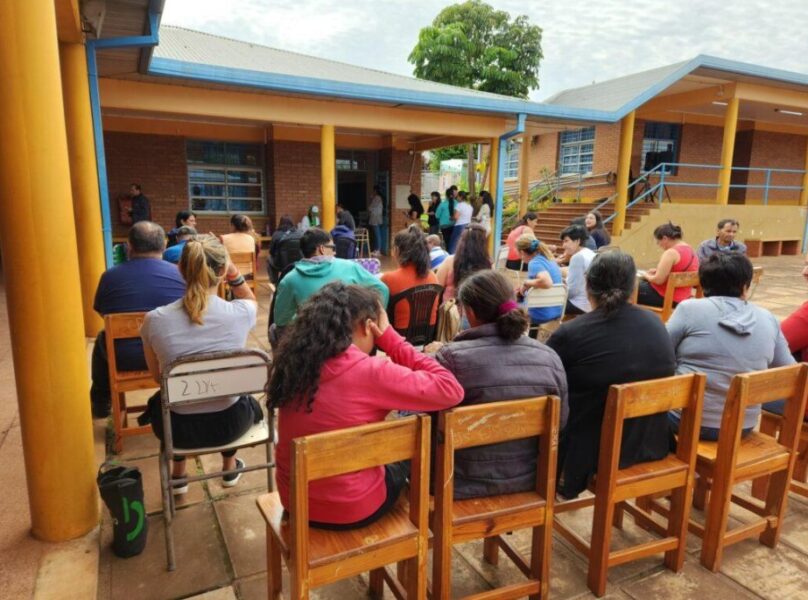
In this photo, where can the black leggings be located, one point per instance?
(648, 296)
(395, 478)
(203, 430)
(446, 232)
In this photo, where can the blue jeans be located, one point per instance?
(376, 237)
(706, 434)
(777, 407)
(456, 233)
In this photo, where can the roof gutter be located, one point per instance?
(91, 46)
(503, 140)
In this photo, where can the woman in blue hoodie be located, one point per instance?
(723, 335)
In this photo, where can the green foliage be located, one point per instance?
(472, 45)
(447, 153)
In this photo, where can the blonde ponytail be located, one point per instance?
(202, 264)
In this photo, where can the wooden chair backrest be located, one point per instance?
(495, 422)
(122, 326)
(245, 262)
(630, 400)
(748, 389)
(757, 273)
(686, 279)
(347, 450)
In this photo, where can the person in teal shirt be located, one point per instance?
(318, 267)
(445, 215)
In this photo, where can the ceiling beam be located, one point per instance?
(753, 92)
(686, 99)
(68, 21)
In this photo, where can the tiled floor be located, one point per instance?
(220, 537)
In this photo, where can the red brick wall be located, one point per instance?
(296, 178)
(777, 151)
(157, 163)
(400, 163)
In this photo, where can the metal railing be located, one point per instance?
(664, 172)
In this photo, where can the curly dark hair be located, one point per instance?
(322, 330)
(471, 254)
(411, 248)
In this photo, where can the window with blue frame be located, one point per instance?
(225, 178)
(576, 151)
(660, 144)
(512, 152)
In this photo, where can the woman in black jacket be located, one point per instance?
(494, 361)
(615, 343)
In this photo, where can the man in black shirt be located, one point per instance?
(140, 204)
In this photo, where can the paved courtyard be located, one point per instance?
(220, 538)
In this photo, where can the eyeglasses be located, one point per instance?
(330, 246)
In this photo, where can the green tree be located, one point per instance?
(472, 45)
(447, 153)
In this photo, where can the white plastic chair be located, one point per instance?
(201, 378)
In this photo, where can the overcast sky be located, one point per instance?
(583, 40)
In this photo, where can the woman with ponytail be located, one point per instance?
(202, 322)
(324, 378)
(543, 272)
(494, 361)
(615, 343)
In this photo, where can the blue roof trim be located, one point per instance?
(719, 64)
(168, 67)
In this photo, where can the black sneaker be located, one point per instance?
(232, 479)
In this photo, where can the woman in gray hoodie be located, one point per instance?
(722, 335)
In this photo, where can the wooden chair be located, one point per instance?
(458, 521)
(423, 303)
(614, 486)
(245, 262)
(689, 279)
(547, 298)
(772, 424)
(362, 242)
(732, 460)
(317, 557)
(125, 326)
(201, 378)
(757, 273)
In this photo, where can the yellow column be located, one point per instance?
(728, 147)
(328, 176)
(524, 175)
(804, 192)
(623, 167)
(493, 170)
(42, 274)
(83, 178)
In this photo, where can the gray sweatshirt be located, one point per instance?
(721, 337)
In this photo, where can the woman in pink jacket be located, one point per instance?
(325, 379)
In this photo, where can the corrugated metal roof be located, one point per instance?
(186, 45)
(613, 94)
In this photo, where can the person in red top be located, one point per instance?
(525, 224)
(795, 330)
(678, 257)
(324, 379)
(412, 253)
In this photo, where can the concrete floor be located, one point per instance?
(220, 538)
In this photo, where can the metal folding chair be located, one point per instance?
(201, 378)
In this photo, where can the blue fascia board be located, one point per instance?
(711, 62)
(167, 67)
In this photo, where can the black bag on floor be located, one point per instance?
(121, 488)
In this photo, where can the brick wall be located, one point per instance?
(158, 164)
(777, 151)
(296, 178)
(400, 163)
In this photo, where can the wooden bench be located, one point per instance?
(757, 247)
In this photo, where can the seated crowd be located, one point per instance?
(330, 326)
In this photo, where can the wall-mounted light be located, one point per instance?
(783, 111)
(717, 103)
